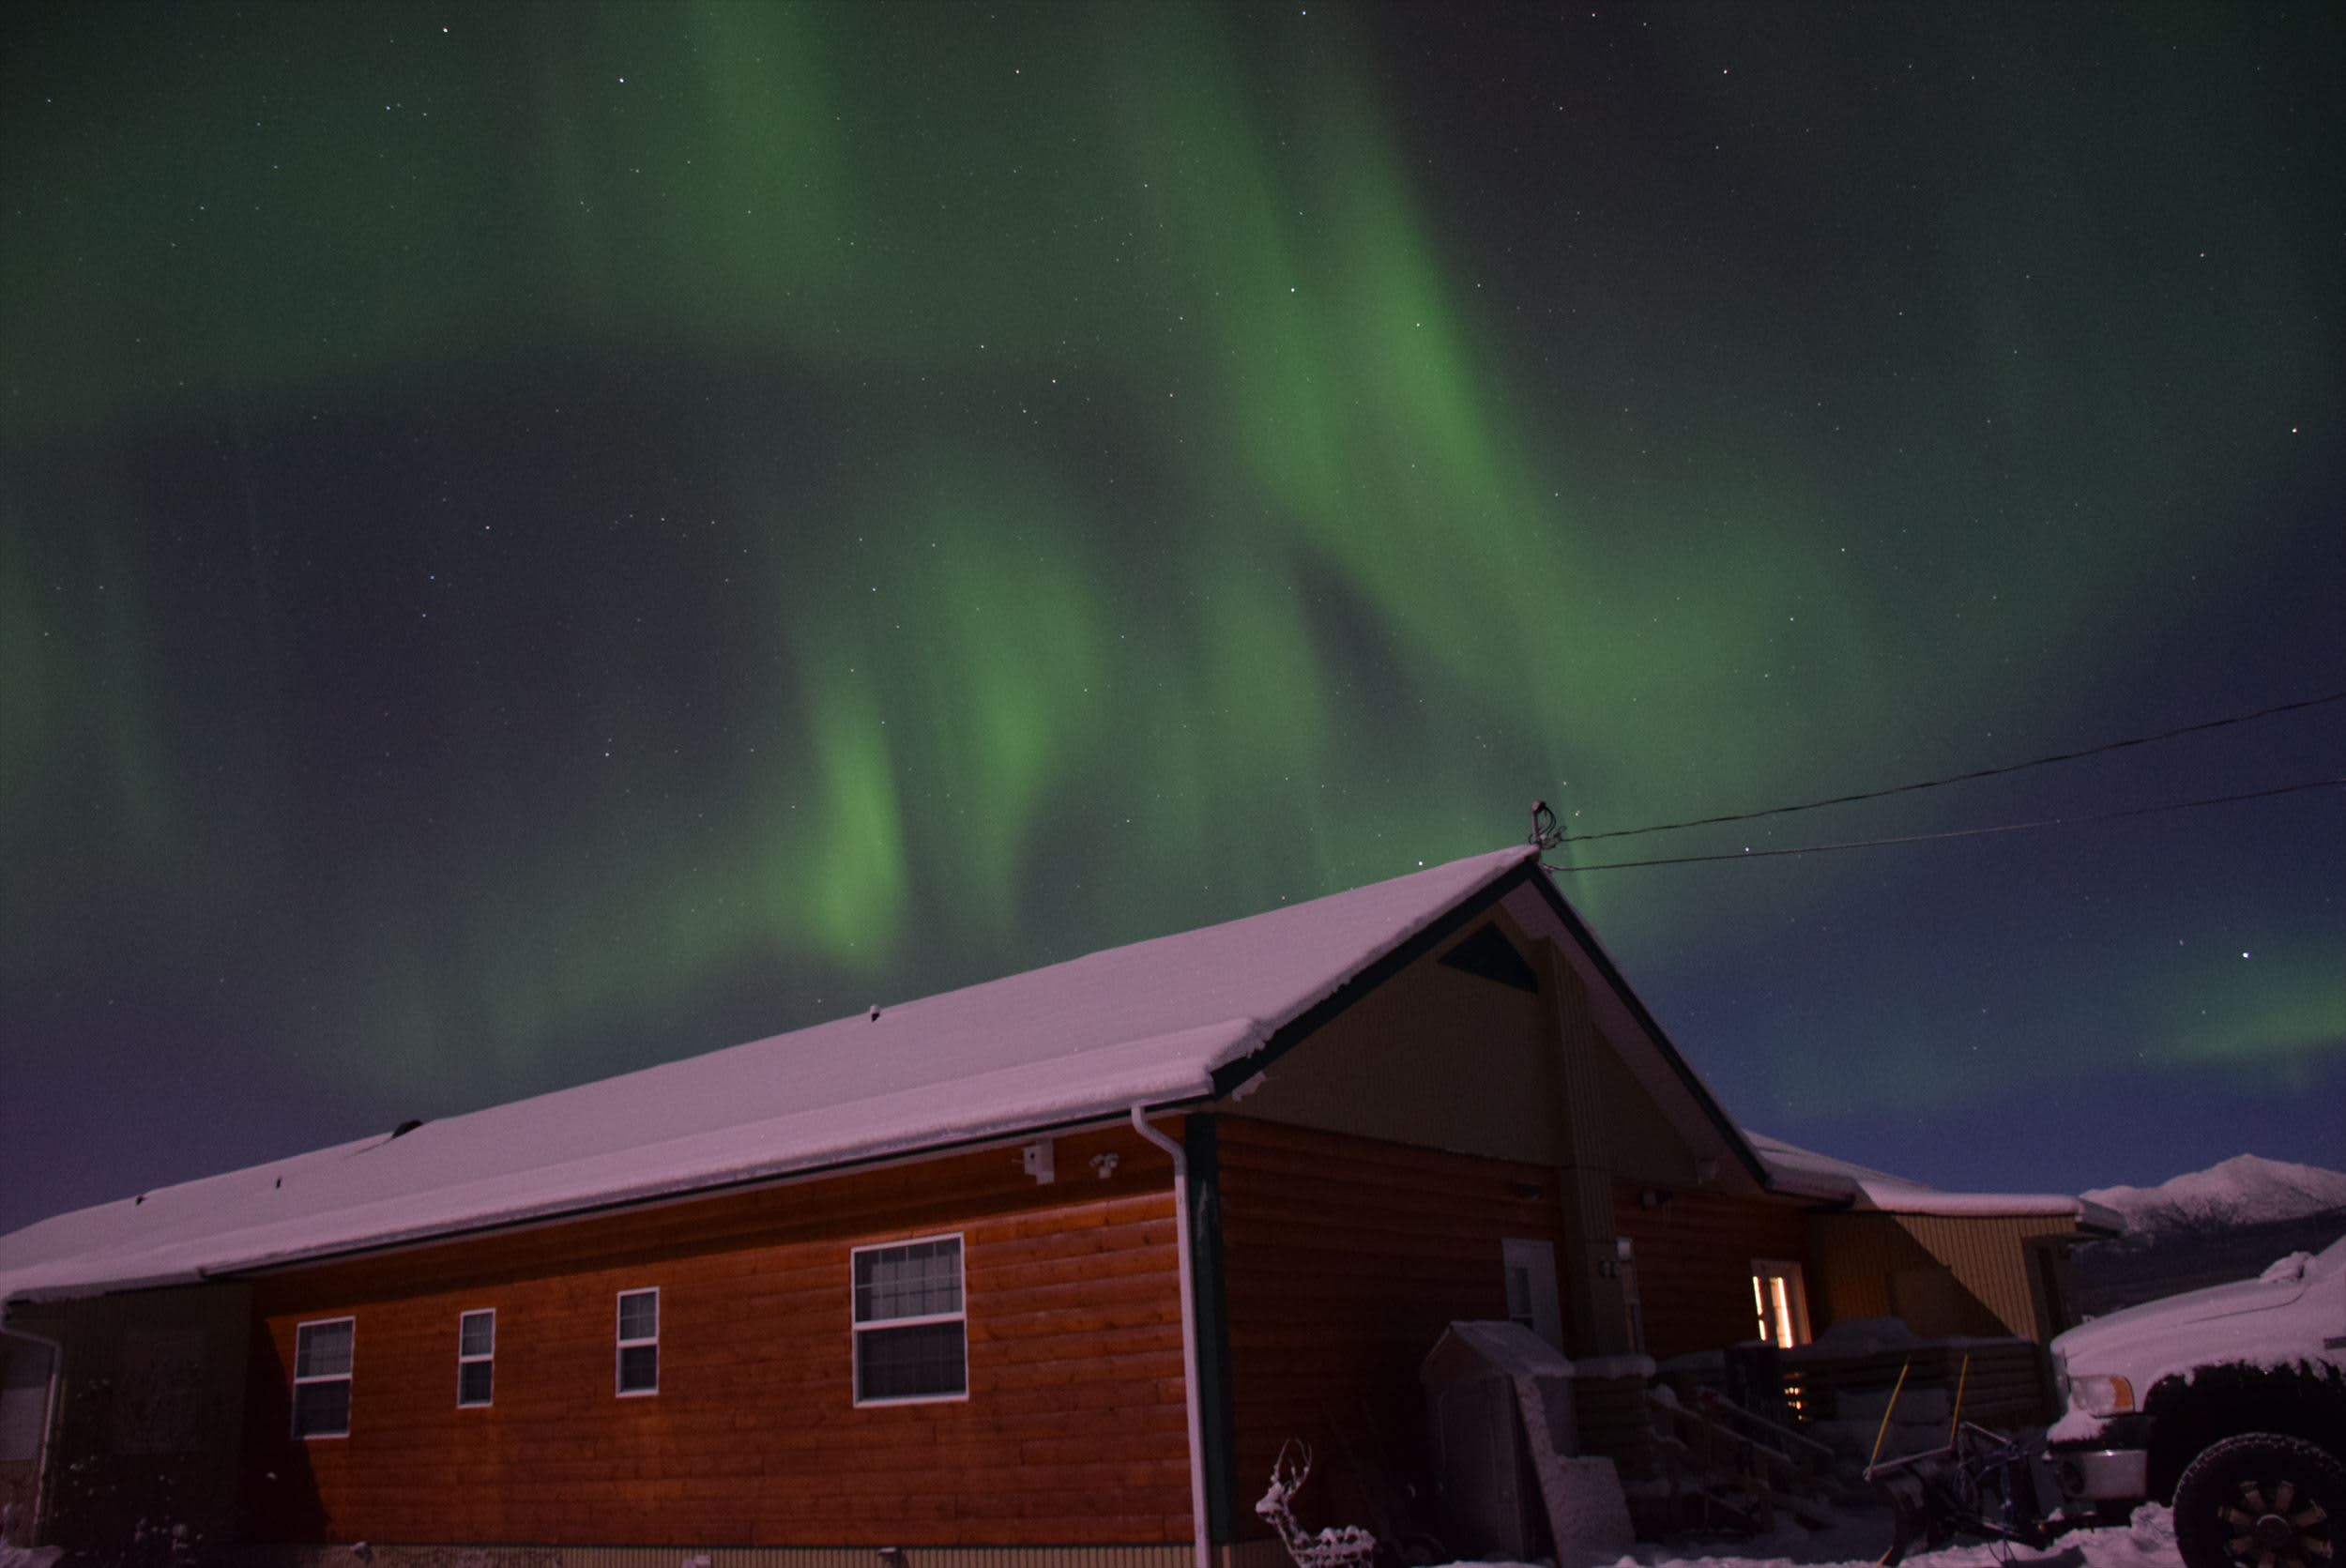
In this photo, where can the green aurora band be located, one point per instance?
(1121, 458)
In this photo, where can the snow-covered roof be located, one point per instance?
(1150, 1023)
(1805, 1173)
(1145, 1024)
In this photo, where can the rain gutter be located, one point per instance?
(1204, 1547)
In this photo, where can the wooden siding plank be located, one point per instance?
(1074, 1429)
(1694, 1253)
(1343, 1260)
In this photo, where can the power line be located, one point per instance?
(1960, 778)
(1962, 832)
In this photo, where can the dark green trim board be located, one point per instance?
(1217, 1423)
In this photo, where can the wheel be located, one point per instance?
(2261, 1500)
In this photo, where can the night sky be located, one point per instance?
(539, 539)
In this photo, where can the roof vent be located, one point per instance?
(406, 1127)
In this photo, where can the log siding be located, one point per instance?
(1343, 1258)
(1694, 1251)
(1072, 1430)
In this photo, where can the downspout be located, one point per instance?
(1189, 1334)
(48, 1421)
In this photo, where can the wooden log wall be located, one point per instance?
(1344, 1258)
(1073, 1432)
(1694, 1255)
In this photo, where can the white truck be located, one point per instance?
(2231, 1401)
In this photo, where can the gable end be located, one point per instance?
(1603, 963)
(1301, 1027)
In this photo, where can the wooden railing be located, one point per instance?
(2007, 1385)
(1721, 1465)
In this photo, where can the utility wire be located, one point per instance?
(1962, 832)
(1958, 778)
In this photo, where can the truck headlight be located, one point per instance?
(2101, 1396)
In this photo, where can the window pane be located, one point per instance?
(921, 1362)
(639, 1368)
(322, 1410)
(920, 1280)
(1519, 1295)
(475, 1382)
(322, 1349)
(476, 1334)
(639, 1315)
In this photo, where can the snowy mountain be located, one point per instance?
(2244, 1190)
(2211, 1227)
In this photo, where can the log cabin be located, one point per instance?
(1045, 1268)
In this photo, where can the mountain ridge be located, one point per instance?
(2244, 1190)
(2208, 1228)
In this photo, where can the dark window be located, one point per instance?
(476, 1356)
(639, 1342)
(322, 1356)
(911, 1334)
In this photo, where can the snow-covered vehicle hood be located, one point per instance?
(2174, 1312)
(2244, 1321)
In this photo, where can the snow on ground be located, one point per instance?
(1859, 1536)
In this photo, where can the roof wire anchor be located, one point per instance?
(1545, 833)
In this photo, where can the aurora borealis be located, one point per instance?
(536, 540)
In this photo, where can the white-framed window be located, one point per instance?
(1780, 1302)
(475, 1357)
(911, 1328)
(1529, 1267)
(638, 1369)
(321, 1384)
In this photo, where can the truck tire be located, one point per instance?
(2261, 1500)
